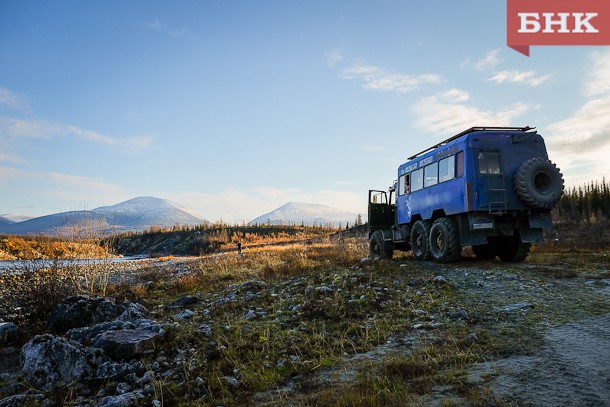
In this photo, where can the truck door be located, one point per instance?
(491, 184)
(381, 210)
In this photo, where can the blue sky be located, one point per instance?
(233, 108)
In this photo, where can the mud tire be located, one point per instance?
(539, 183)
(444, 241)
(378, 248)
(419, 239)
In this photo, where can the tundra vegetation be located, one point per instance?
(311, 323)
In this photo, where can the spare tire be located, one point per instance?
(539, 183)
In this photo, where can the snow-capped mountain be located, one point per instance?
(296, 213)
(136, 214)
(7, 218)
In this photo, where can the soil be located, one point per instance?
(555, 311)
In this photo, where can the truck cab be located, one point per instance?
(492, 188)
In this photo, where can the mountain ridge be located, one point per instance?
(135, 215)
(310, 214)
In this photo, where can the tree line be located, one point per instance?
(587, 203)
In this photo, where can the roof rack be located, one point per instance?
(470, 130)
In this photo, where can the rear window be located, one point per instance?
(489, 162)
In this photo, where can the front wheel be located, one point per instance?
(378, 248)
(419, 239)
(444, 241)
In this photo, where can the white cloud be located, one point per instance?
(12, 100)
(445, 115)
(581, 143)
(490, 60)
(160, 26)
(20, 128)
(454, 95)
(521, 77)
(333, 57)
(379, 79)
(598, 81)
(7, 173)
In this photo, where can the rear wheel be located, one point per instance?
(419, 239)
(444, 242)
(378, 248)
(512, 249)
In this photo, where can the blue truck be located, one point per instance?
(492, 188)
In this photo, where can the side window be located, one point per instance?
(431, 174)
(403, 185)
(459, 164)
(417, 180)
(446, 169)
(489, 162)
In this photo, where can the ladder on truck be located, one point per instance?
(495, 184)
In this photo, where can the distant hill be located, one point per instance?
(296, 213)
(8, 218)
(136, 215)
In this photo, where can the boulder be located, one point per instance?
(184, 302)
(133, 312)
(79, 311)
(86, 334)
(49, 363)
(8, 333)
(125, 344)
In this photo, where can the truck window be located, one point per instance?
(403, 185)
(489, 162)
(459, 164)
(446, 169)
(417, 180)
(431, 174)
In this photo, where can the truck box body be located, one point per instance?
(488, 181)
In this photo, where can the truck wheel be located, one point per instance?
(513, 250)
(378, 249)
(484, 251)
(419, 239)
(444, 242)
(539, 183)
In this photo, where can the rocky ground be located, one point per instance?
(309, 327)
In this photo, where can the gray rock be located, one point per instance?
(112, 370)
(134, 312)
(186, 314)
(125, 344)
(8, 333)
(81, 311)
(515, 307)
(206, 330)
(440, 280)
(87, 334)
(184, 302)
(49, 363)
(122, 400)
(21, 400)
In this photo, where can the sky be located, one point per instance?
(234, 108)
